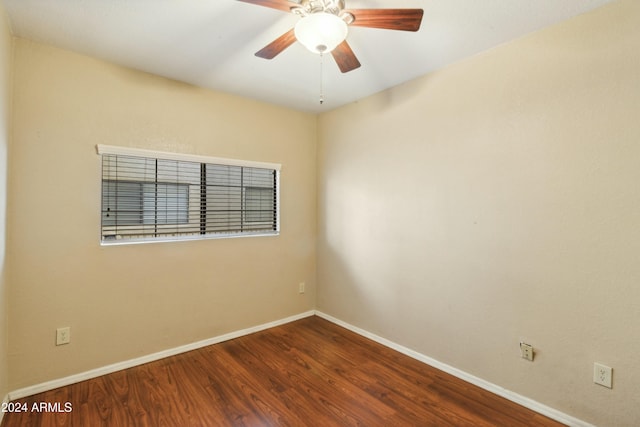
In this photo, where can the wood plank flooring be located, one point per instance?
(306, 373)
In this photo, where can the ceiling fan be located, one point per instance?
(323, 27)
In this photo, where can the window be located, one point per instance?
(259, 205)
(151, 196)
(137, 202)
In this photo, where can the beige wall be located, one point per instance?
(123, 302)
(5, 106)
(494, 201)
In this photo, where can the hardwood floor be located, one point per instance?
(306, 373)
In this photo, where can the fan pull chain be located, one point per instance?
(321, 78)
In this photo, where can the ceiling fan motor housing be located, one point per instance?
(309, 7)
(332, 7)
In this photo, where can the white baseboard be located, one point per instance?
(4, 402)
(486, 385)
(50, 385)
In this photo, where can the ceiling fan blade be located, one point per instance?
(276, 47)
(283, 5)
(345, 58)
(388, 19)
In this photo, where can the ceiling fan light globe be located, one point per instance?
(321, 32)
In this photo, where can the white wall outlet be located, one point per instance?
(301, 286)
(526, 351)
(602, 375)
(63, 335)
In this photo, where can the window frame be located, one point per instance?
(103, 150)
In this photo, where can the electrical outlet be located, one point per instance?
(602, 375)
(301, 286)
(526, 351)
(63, 335)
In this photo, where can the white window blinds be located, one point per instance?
(150, 196)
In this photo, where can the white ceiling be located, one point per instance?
(211, 43)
